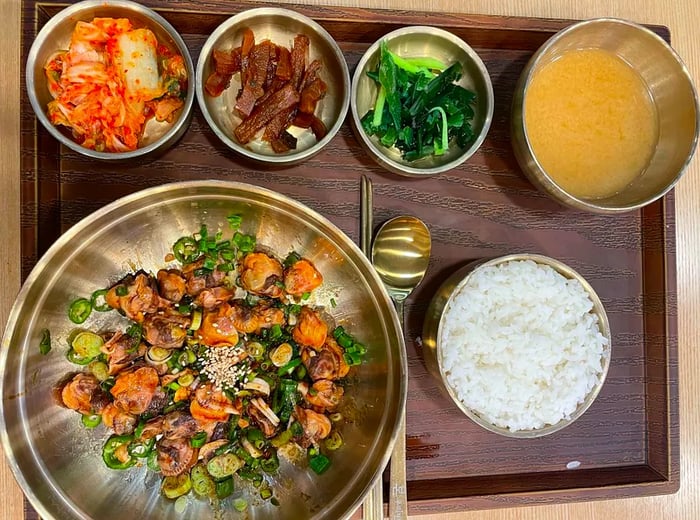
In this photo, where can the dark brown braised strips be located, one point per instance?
(225, 367)
(278, 89)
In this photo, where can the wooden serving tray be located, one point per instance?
(627, 444)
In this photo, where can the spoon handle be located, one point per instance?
(398, 501)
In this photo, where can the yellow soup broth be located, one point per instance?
(591, 122)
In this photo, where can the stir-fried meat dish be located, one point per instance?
(279, 89)
(225, 362)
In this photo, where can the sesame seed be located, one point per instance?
(224, 367)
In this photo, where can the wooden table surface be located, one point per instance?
(681, 16)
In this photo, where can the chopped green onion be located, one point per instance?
(333, 304)
(333, 441)
(244, 243)
(199, 439)
(281, 438)
(185, 379)
(209, 264)
(227, 253)
(79, 310)
(265, 493)
(240, 504)
(224, 488)
(108, 383)
(306, 296)
(319, 463)
(121, 290)
(98, 302)
(174, 487)
(196, 319)
(180, 504)
(87, 344)
(271, 464)
(234, 221)
(289, 367)
(45, 343)
(292, 258)
(225, 268)
(184, 308)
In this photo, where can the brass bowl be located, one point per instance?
(433, 348)
(420, 41)
(53, 456)
(280, 26)
(56, 35)
(672, 93)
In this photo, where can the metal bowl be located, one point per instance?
(53, 457)
(280, 26)
(433, 348)
(672, 93)
(420, 41)
(56, 35)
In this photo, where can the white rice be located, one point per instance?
(521, 346)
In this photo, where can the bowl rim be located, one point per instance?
(462, 276)
(75, 9)
(526, 78)
(204, 57)
(404, 169)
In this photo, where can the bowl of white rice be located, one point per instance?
(521, 343)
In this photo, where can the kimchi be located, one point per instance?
(112, 79)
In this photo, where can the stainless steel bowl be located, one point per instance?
(58, 462)
(672, 92)
(280, 26)
(433, 347)
(422, 41)
(56, 35)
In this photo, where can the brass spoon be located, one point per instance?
(400, 254)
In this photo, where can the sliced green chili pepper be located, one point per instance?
(45, 343)
(141, 449)
(98, 302)
(202, 483)
(91, 421)
(186, 250)
(152, 461)
(109, 452)
(79, 310)
(76, 358)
